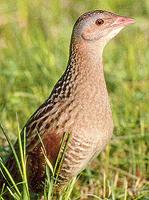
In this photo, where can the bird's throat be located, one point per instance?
(86, 69)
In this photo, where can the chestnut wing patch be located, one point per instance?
(36, 161)
(51, 143)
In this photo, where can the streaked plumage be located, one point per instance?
(78, 104)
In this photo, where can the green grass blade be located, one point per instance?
(44, 153)
(61, 154)
(2, 191)
(69, 189)
(22, 150)
(10, 178)
(12, 149)
(14, 195)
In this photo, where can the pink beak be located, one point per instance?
(123, 21)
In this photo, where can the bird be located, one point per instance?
(78, 105)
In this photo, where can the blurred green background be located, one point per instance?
(34, 45)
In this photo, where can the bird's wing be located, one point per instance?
(41, 126)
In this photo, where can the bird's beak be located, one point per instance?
(123, 21)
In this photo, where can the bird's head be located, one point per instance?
(98, 26)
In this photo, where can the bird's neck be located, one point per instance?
(86, 60)
(84, 74)
(87, 70)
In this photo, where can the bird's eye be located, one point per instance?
(99, 22)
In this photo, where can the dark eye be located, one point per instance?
(99, 22)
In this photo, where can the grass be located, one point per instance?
(20, 190)
(34, 43)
